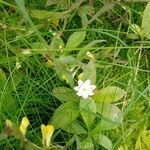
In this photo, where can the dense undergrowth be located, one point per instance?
(47, 47)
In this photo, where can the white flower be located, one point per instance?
(85, 89)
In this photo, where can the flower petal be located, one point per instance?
(93, 87)
(76, 88)
(85, 96)
(85, 89)
(80, 82)
(87, 82)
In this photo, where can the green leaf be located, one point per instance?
(111, 117)
(53, 17)
(104, 141)
(68, 60)
(63, 73)
(89, 72)
(132, 36)
(109, 94)
(65, 94)
(88, 111)
(65, 115)
(75, 39)
(146, 22)
(84, 144)
(41, 46)
(41, 14)
(76, 128)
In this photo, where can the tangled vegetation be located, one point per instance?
(75, 74)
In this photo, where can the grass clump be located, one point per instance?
(47, 47)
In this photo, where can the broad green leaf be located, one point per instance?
(75, 128)
(89, 72)
(75, 39)
(63, 73)
(67, 60)
(43, 14)
(88, 111)
(132, 36)
(65, 94)
(41, 46)
(84, 144)
(146, 22)
(109, 94)
(111, 117)
(65, 115)
(103, 140)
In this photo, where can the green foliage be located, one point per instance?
(7, 86)
(111, 116)
(88, 111)
(146, 22)
(46, 47)
(65, 94)
(109, 94)
(67, 113)
(85, 144)
(103, 140)
(75, 39)
(63, 73)
(143, 140)
(76, 128)
(89, 72)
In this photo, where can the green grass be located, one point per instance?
(127, 65)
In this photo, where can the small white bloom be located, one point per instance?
(85, 89)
